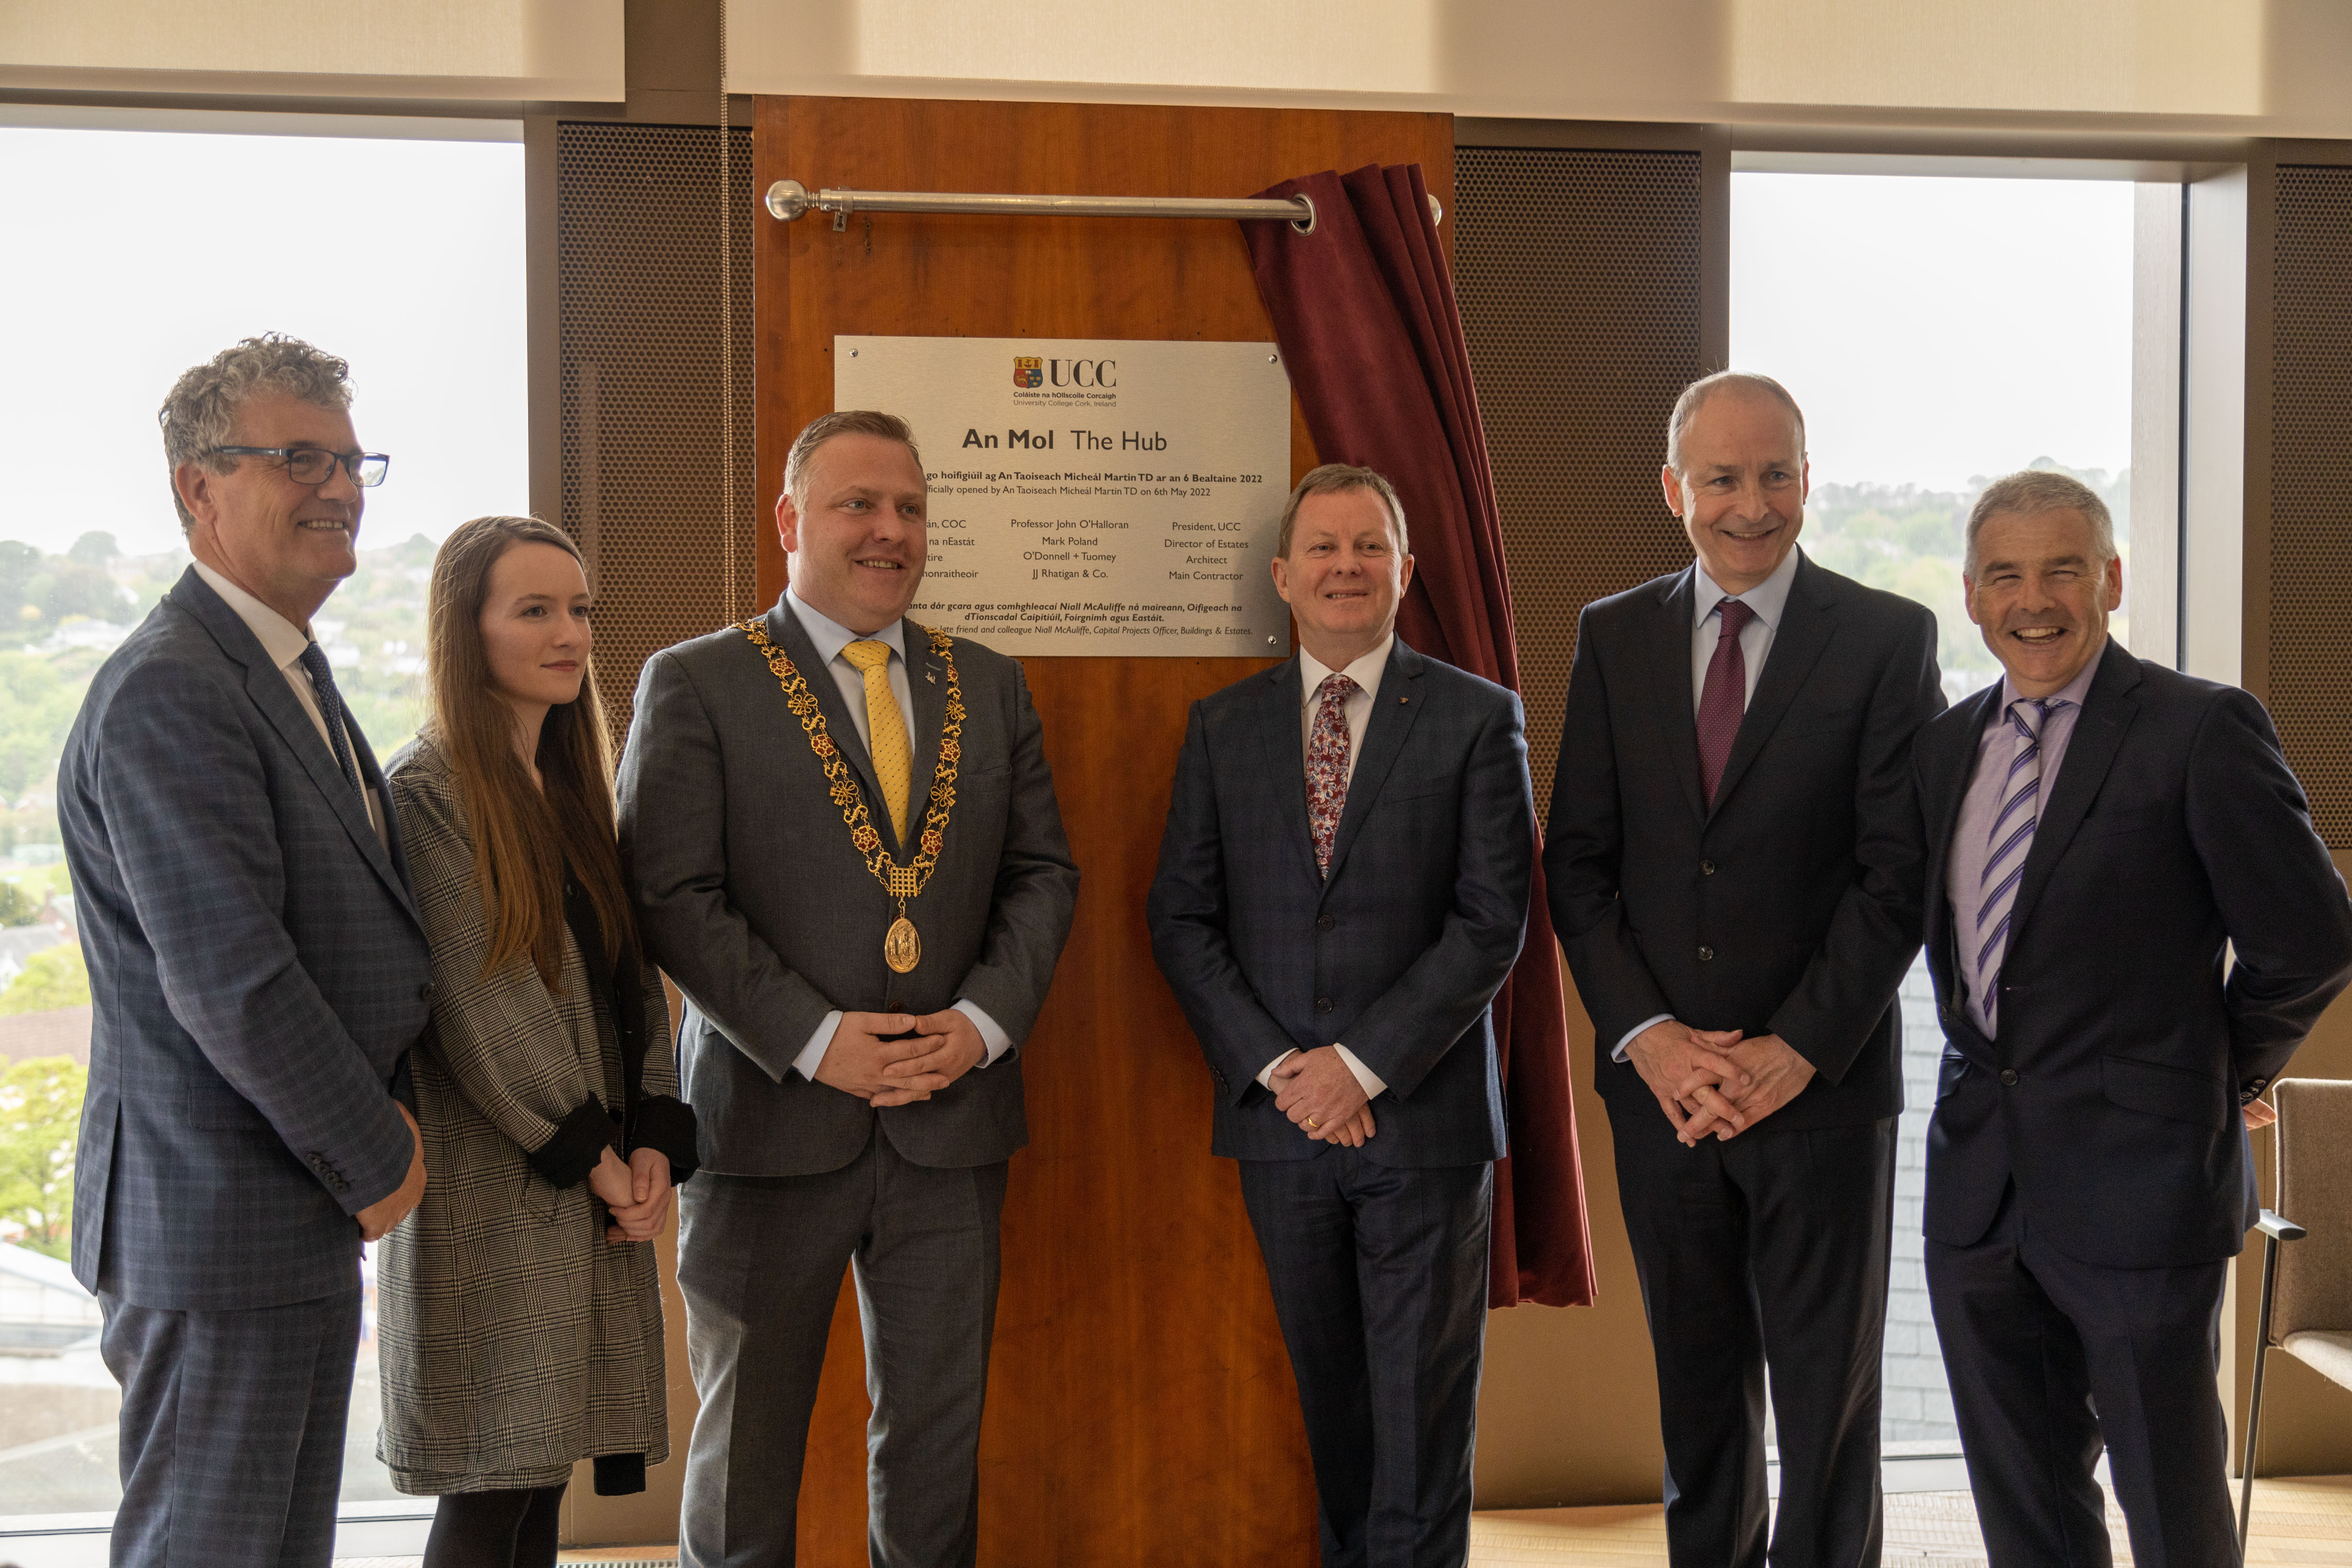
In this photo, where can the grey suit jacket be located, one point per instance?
(1398, 952)
(257, 971)
(751, 897)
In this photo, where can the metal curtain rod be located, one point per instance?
(788, 199)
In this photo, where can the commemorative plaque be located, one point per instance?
(1108, 498)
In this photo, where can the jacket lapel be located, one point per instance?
(2108, 709)
(1668, 655)
(265, 683)
(1808, 622)
(1281, 728)
(785, 630)
(927, 686)
(1394, 710)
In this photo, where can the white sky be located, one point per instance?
(1937, 328)
(129, 255)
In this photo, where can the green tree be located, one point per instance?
(53, 977)
(36, 708)
(17, 907)
(94, 549)
(40, 1115)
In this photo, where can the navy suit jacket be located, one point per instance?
(1399, 952)
(1792, 906)
(258, 970)
(2111, 1096)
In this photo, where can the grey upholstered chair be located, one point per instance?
(2307, 1286)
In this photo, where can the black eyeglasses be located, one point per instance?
(316, 464)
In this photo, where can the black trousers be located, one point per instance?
(1771, 1248)
(2047, 1356)
(1379, 1284)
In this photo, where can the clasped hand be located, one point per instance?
(637, 1192)
(897, 1058)
(1715, 1080)
(1316, 1086)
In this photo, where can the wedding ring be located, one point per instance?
(1312, 1123)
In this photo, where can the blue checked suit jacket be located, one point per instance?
(257, 971)
(1397, 954)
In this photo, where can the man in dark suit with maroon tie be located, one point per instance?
(1733, 860)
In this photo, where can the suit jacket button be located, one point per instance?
(1706, 955)
(1322, 1003)
(425, 992)
(1707, 867)
(1324, 923)
(2009, 1077)
(2259, 1084)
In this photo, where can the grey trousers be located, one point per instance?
(232, 1431)
(760, 1264)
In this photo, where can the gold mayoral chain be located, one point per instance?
(902, 949)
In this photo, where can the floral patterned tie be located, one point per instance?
(1326, 765)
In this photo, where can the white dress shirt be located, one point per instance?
(1366, 673)
(285, 643)
(830, 637)
(1769, 600)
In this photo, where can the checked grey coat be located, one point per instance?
(514, 1339)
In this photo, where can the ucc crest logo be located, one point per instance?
(1028, 370)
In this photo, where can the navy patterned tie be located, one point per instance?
(2010, 841)
(331, 709)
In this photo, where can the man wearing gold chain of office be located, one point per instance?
(842, 835)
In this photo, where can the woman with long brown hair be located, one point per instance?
(519, 1311)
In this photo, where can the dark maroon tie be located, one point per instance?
(1723, 700)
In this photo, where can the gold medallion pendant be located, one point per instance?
(902, 949)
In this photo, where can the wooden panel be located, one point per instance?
(1140, 1406)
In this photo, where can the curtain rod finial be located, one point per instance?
(787, 199)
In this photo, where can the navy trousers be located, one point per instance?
(232, 1431)
(1379, 1284)
(2050, 1356)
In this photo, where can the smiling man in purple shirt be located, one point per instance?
(2100, 830)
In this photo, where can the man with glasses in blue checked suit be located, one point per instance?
(259, 974)
(1343, 889)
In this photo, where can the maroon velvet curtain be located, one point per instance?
(1364, 310)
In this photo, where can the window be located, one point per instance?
(1938, 332)
(132, 255)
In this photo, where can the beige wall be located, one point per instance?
(2219, 67)
(510, 50)
(1568, 1409)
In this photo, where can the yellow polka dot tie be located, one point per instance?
(894, 762)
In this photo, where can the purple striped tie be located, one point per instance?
(2010, 841)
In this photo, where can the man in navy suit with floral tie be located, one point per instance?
(1343, 889)
(2101, 831)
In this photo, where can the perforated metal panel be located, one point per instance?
(2311, 446)
(637, 281)
(1579, 278)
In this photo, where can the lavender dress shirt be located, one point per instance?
(1972, 839)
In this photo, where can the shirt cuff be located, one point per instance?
(1366, 1078)
(1636, 1033)
(991, 1034)
(1265, 1075)
(811, 1055)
